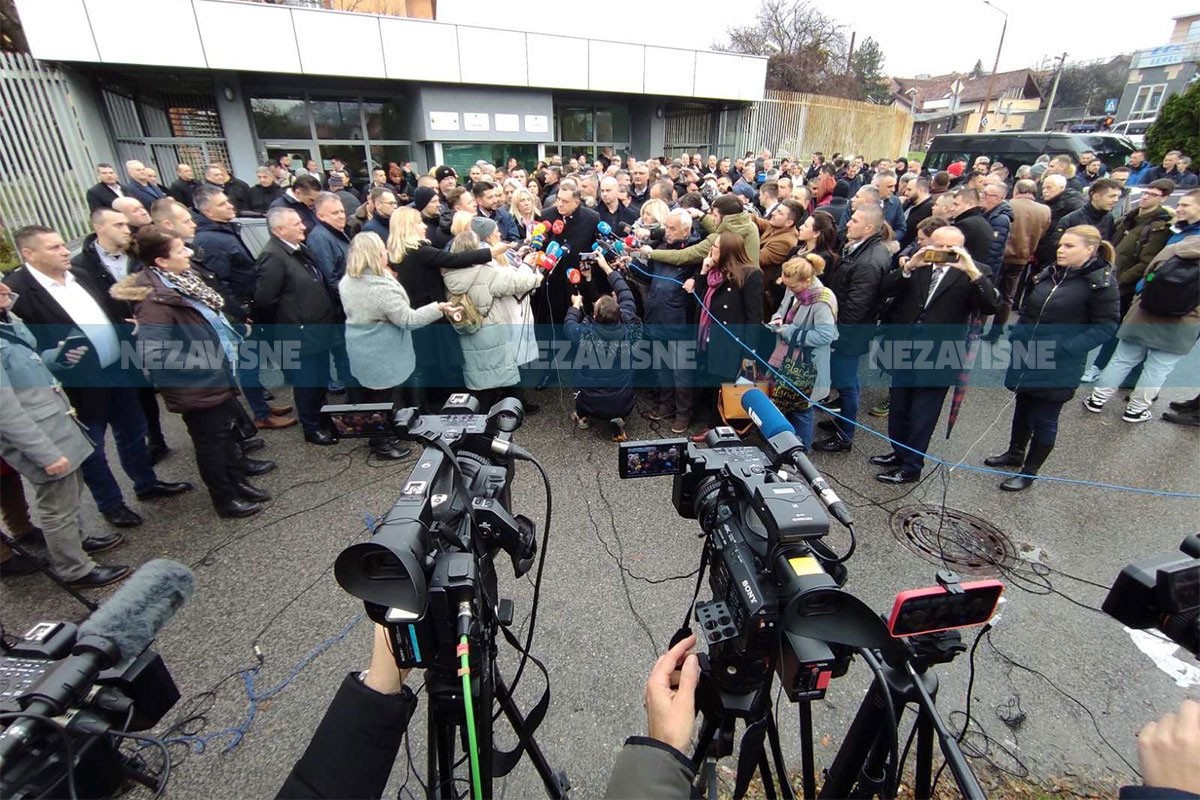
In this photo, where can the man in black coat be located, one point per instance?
(56, 304)
(185, 183)
(139, 186)
(294, 294)
(977, 232)
(300, 197)
(1061, 200)
(924, 344)
(611, 209)
(1103, 195)
(108, 189)
(920, 208)
(856, 284)
(578, 233)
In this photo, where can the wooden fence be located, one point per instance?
(45, 163)
(791, 123)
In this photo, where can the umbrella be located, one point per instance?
(974, 332)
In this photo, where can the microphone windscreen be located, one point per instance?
(769, 419)
(134, 615)
(604, 228)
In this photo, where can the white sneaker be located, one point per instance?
(1137, 416)
(1092, 404)
(1092, 374)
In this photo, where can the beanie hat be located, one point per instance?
(422, 196)
(443, 172)
(483, 227)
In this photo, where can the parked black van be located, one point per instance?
(1014, 148)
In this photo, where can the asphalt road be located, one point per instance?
(609, 602)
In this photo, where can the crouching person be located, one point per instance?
(603, 361)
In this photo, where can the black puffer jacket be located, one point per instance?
(856, 284)
(1066, 313)
(1066, 202)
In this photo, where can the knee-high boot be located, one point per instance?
(1038, 451)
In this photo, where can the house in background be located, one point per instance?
(955, 103)
(1158, 73)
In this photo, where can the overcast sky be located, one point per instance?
(930, 36)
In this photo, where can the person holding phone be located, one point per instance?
(935, 292)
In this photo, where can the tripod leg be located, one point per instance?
(868, 725)
(764, 771)
(708, 730)
(431, 754)
(556, 783)
(922, 787)
(445, 748)
(809, 765)
(785, 783)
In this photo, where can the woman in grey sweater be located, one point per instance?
(378, 321)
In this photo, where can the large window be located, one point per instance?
(463, 156)
(587, 129)
(364, 132)
(1147, 100)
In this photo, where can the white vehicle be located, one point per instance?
(1133, 129)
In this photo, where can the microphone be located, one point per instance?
(783, 442)
(120, 629)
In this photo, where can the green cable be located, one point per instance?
(465, 664)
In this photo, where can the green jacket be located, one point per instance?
(740, 223)
(647, 770)
(1137, 239)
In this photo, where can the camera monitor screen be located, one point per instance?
(358, 421)
(652, 459)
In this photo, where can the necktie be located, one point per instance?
(934, 280)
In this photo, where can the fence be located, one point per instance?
(797, 124)
(45, 164)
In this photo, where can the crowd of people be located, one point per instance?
(405, 287)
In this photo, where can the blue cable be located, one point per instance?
(200, 742)
(893, 442)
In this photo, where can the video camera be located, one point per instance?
(1161, 592)
(84, 685)
(433, 550)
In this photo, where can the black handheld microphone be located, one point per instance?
(780, 438)
(120, 629)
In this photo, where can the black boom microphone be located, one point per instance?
(119, 630)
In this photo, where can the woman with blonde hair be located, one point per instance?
(805, 327)
(379, 319)
(524, 209)
(1069, 308)
(489, 357)
(418, 265)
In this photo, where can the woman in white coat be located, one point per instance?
(378, 320)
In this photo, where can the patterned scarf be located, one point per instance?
(190, 284)
(714, 278)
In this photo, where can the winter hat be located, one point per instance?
(842, 189)
(483, 227)
(444, 172)
(422, 196)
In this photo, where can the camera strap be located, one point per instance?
(751, 754)
(503, 761)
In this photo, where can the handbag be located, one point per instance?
(729, 400)
(795, 378)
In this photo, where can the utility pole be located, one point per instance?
(1053, 91)
(987, 97)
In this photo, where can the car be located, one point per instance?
(1134, 130)
(1014, 148)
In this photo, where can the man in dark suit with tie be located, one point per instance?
(140, 186)
(108, 189)
(294, 294)
(935, 293)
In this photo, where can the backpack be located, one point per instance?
(1173, 288)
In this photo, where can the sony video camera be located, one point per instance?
(427, 573)
(1161, 592)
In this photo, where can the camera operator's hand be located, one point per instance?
(671, 695)
(603, 264)
(917, 261)
(1169, 750)
(383, 675)
(965, 263)
(577, 301)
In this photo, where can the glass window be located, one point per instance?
(355, 157)
(337, 119)
(612, 124)
(576, 124)
(384, 154)
(280, 118)
(385, 120)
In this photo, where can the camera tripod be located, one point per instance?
(860, 768)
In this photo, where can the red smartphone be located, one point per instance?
(936, 608)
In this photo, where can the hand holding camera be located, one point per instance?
(577, 301)
(671, 695)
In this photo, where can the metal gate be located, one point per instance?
(45, 163)
(688, 129)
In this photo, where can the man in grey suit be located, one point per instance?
(42, 441)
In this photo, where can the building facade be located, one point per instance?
(1158, 73)
(194, 81)
(956, 103)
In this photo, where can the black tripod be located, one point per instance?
(720, 710)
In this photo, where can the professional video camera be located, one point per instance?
(779, 608)
(1161, 592)
(69, 693)
(428, 575)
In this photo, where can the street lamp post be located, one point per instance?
(987, 98)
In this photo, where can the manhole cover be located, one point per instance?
(955, 538)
